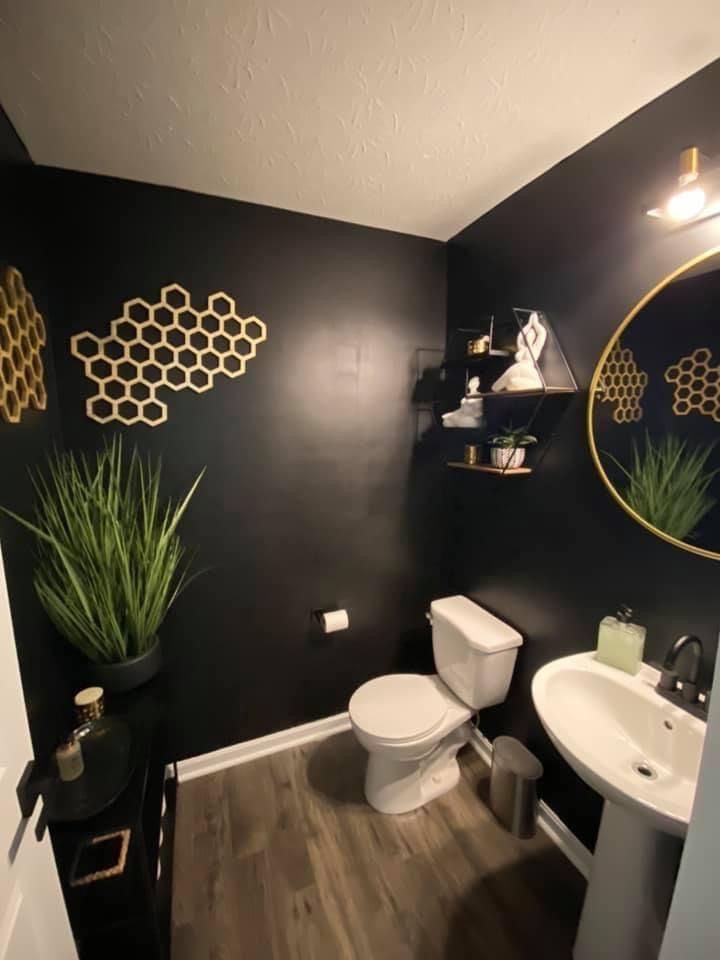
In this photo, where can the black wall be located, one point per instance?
(553, 553)
(44, 663)
(315, 494)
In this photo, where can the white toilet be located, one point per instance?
(413, 726)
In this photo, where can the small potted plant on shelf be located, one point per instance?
(110, 563)
(507, 448)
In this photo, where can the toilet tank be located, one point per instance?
(474, 652)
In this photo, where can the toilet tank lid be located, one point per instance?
(480, 628)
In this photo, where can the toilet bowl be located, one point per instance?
(413, 725)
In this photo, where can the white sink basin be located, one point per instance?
(612, 728)
(642, 754)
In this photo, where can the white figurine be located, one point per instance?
(470, 411)
(523, 374)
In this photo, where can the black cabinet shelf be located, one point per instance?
(128, 913)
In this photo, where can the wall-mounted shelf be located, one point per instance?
(475, 360)
(505, 336)
(443, 380)
(486, 468)
(512, 394)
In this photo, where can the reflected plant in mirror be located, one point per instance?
(668, 483)
(654, 409)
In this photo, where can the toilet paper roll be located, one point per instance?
(334, 620)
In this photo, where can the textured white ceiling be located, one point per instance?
(414, 115)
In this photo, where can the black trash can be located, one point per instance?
(513, 786)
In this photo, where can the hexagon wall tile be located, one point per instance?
(624, 385)
(22, 336)
(167, 345)
(696, 385)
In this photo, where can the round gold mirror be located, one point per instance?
(654, 409)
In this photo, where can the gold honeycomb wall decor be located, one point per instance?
(696, 385)
(22, 337)
(623, 383)
(168, 345)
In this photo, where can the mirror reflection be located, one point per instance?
(654, 415)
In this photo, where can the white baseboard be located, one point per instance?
(252, 749)
(548, 821)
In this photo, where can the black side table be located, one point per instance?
(117, 890)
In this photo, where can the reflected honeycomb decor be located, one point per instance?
(22, 336)
(697, 385)
(168, 345)
(623, 383)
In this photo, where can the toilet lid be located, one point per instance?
(400, 706)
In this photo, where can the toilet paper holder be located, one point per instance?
(330, 620)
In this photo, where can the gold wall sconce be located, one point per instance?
(695, 194)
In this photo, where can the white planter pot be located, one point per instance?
(507, 458)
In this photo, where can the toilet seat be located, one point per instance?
(398, 707)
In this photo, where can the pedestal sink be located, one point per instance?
(642, 754)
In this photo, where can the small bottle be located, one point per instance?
(621, 642)
(69, 759)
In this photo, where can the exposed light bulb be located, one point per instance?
(686, 204)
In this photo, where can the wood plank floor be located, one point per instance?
(282, 858)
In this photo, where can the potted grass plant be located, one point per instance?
(667, 484)
(110, 563)
(507, 448)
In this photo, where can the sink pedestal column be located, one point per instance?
(631, 885)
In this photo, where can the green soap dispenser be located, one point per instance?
(621, 642)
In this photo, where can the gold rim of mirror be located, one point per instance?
(594, 386)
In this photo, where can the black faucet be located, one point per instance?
(670, 676)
